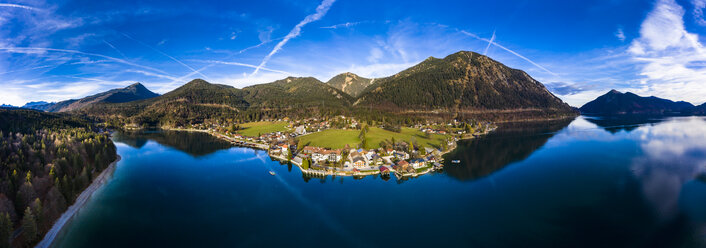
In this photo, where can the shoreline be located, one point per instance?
(258, 146)
(81, 200)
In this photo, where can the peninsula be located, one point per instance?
(344, 147)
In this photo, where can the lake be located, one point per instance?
(589, 182)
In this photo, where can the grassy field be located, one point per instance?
(254, 129)
(337, 138)
(331, 138)
(376, 135)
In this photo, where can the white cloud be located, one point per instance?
(699, 6)
(620, 34)
(375, 55)
(671, 58)
(78, 40)
(320, 12)
(32, 25)
(580, 98)
(673, 155)
(266, 34)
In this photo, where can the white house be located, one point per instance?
(318, 156)
(300, 130)
(417, 163)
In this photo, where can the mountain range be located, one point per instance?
(40, 105)
(464, 85)
(618, 103)
(134, 92)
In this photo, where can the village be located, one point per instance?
(322, 147)
(358, 162)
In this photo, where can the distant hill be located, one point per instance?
(40, 105)
(464, 84)
(296, 92)
(133, 92)
(350, 83)
(192, 102)
(7, 106)
(701, 109)
(617, 103)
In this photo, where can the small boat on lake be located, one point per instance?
(272, 173)
(456, 161)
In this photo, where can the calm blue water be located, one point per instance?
(587, 183)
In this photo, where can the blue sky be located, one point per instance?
(59, 50)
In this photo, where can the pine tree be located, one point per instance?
(29, 226)
(98, 161)
(37, 208)
(5, 230)
(305, 164)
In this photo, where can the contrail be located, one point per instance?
(258, 45)
(240, 64)
(146, 73)
(115, 48)
(12, 5)
(492, 38)
(214, 62)
(320, 12)
(89, 62)
(26, 69)
(179, 79)
(182, 78)
(43, 49)
(240, 52)
(342, 25)
(508, 50)
(166, 55)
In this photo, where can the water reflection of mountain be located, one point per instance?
(509, 143)
(194, 143)
(622, 123)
